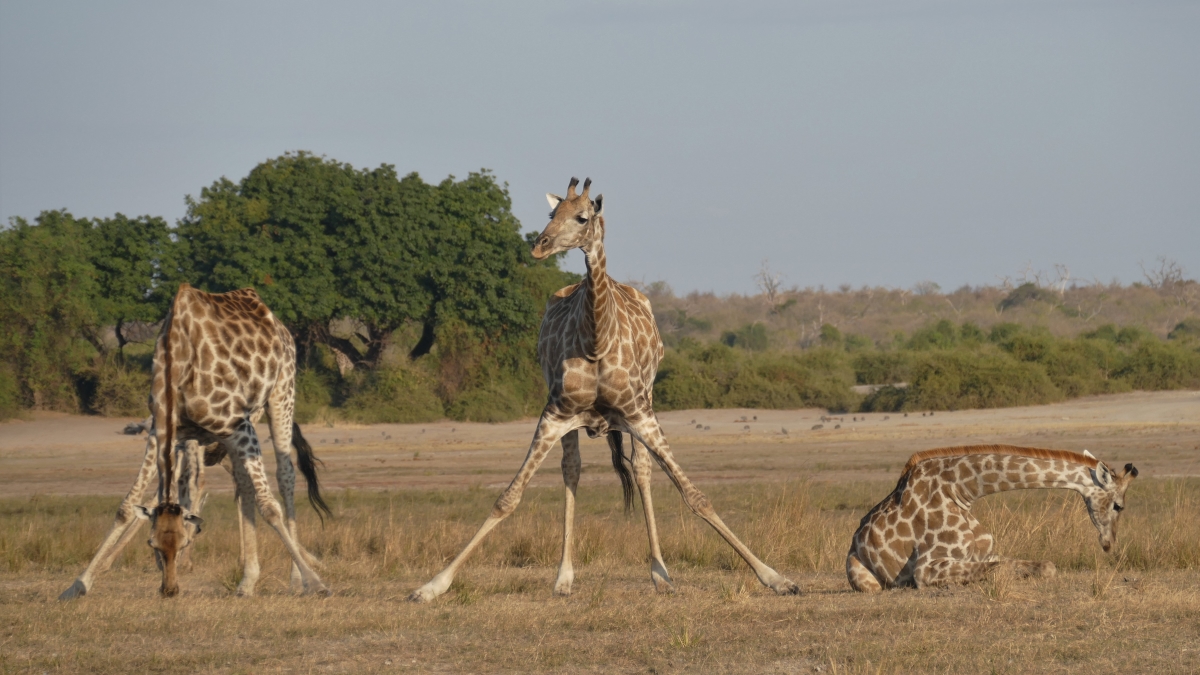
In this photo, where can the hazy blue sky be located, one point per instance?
(848, 142)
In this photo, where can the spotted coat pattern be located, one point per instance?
(220, 361)
(923, 533)
(599, 349)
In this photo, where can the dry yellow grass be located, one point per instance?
(1135, 611)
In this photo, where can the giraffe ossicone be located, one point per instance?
(923, 533)
(599, 350)
(220, 361)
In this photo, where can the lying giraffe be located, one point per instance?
(220, 360)
(599, 348)
(923, 534)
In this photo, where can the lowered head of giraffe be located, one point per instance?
(575, 221)
(175, 525)
(1106, 499)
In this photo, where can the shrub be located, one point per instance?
(10, 394)
(1162, 365)
(314, 392)
(885, 399)
(882, 367)
(392, 395)
(117, 390)
(963, 379)
(1188, 328)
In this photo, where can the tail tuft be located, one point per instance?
(621, 466)
(308, 466)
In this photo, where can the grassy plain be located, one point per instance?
(794, 498)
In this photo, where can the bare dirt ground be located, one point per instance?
(408, 496)
(1160, 432)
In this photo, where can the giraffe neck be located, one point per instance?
(600, 302)
(982, 475)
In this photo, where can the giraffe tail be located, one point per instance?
(308, 466)
(621, 466)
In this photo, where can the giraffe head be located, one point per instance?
(575, 221)
(1106, 499)
(172, 529)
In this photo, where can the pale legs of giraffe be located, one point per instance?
(125, 524)
(280, 417)
(641, 476)
(571, 466)
(641, 468)
(647, 430)
(247, 460)
(550, 429)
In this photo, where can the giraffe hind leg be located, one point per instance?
(245, 442)
(641, 476)
(859, 576)
(947, 571)
(571, 465)
(648, 431)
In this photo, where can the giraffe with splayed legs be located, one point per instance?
(923, 533)
(220, 361)
(599, 349)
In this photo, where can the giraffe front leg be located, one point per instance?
(550, 430)
(250, 455)
(571, 465)
(648, 431)
(125, 525)
(641, 476)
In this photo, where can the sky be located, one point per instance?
(845, 142)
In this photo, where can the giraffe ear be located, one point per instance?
(1101, 476)
(141, 512)
(194, 520)
(554, 200)
(598, 205)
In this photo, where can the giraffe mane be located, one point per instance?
(1012, 450)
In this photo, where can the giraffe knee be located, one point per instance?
(505, 505)
(698, 502)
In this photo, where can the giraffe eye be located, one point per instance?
(582, 220)
(1118, 508)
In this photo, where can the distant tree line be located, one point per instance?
(412, 301)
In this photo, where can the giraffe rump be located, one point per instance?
(308, 466)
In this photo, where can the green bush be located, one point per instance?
(1154, 365)
(10, 394)
(118, 390)
(1188, 328)
(875, 367)
(392, 395)
(885, 399)
(976, 379)
(314, 392)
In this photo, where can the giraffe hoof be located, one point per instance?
(786, 587)
(419, 596)
(77, 590)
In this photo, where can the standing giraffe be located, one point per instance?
(599, 349)
(923, 534)
(219, 361)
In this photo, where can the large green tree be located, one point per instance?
(322, 240)
(126, 254)
(48, 307)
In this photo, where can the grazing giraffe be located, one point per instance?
(220, 360)
(923, 533)
(599, 349)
